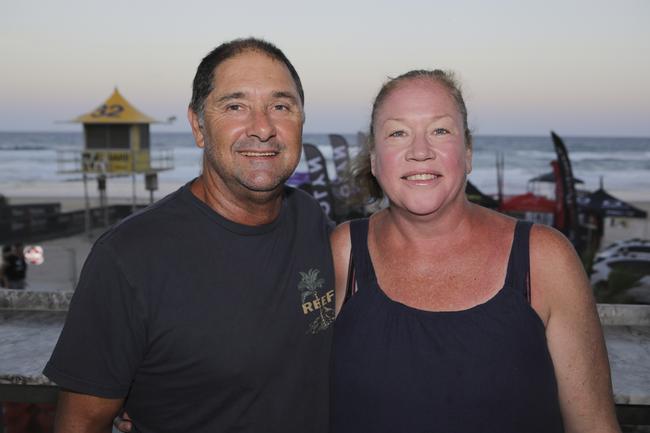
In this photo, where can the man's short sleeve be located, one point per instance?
(104, 337)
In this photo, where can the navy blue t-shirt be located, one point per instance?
(205, 325)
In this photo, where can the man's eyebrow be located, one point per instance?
(277, 94)
(285, 95)
(231, 96)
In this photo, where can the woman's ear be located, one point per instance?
(468, 160)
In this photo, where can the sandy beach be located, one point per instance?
(64, 257)
(626, 228)
(70, 195)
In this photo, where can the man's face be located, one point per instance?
(252, 126)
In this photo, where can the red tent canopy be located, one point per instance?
(528, 202)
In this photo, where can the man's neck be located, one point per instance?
(253, 210)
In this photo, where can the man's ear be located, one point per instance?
(197, 129)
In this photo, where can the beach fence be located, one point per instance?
(30, 223)
(63, 237)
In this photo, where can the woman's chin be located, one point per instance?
(421, 209)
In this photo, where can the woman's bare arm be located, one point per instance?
(573, 332)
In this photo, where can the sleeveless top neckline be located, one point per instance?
(517, 271)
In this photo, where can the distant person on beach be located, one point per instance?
(6, 249)
(14, 267)
(453, 317)
(211, 310)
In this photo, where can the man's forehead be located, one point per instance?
(252, 72)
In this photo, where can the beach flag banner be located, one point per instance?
(567, 220)
(560, 218)
(320, 182)
(341, 156)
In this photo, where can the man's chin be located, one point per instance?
(264, 182)
(267, 186)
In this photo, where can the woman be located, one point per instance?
(462, 319)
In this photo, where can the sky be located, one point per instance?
(576, 67)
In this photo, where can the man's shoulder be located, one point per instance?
(306, 209)
(301, 201)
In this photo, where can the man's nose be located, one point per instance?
(261, 125)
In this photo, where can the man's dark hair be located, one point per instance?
(203, 80)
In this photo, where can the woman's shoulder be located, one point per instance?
(543, 239)
(547, 244)
(557, 275)
(340, 234)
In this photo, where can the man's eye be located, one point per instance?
(399, 133)
(440, 131)
(233, 107)
(281, 107)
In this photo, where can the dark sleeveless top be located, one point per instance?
(399, 369)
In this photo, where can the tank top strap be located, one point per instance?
(518, 273)
(363, 269)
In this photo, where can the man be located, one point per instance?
(211, 310)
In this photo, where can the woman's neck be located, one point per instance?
(447, 226)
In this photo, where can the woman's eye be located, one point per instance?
(440, 131)
(399, 133)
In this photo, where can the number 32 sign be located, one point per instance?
(108, 111)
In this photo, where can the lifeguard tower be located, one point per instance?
(117, 142)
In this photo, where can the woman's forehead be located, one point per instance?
(418, 95)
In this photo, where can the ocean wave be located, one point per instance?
(609, 156)
(530, 153)
(624, 163)
(21, 148)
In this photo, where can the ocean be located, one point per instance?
(622, 163)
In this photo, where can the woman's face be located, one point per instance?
(420, 159)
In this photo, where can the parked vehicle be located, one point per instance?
(635, 245)
(635, 263)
